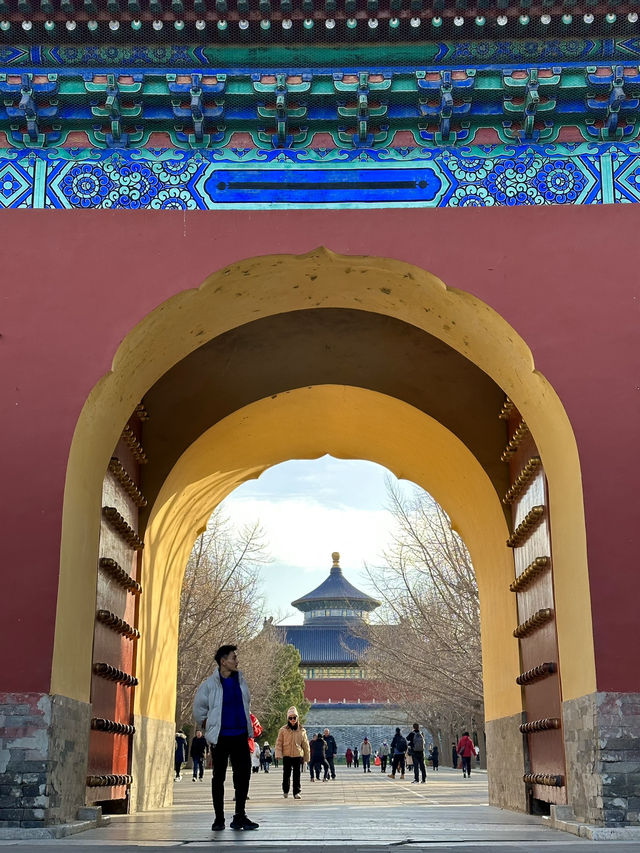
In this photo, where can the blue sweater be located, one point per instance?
(234, 721)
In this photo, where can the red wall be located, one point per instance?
(337, 689)
(75, 282)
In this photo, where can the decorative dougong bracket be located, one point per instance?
(282, 113)
(453, 101)
(363, 111)
(197, 112)
(113, 110)
(27, 109)
(607, 126)
(526, 99)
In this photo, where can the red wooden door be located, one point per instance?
(113, 678)
(536, 630)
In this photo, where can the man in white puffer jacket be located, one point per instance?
(222, 707)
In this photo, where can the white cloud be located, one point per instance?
(304, 532)
(301, 534)
(308, 509)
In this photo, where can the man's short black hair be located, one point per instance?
(223, 652)
(465, 734)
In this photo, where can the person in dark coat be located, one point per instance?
(332, 751)
(415, 740)
(454, 756)
(398, 752)
(318, 750)
(266, 756)
(198, 751)
(435, 757)
(356, 759)
(180, 754)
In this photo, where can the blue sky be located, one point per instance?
(308, 509)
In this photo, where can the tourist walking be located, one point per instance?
(310, 764)
(222, 707)
(267, 758)
(398, 750)
(292, 746)
(255, 758)
(415, 740)
(365, 752)
(356, 762)
(317, 751)
(383, 752)
(435, 757)
(332, 751)
(349, 756)
(197, 752)
(454, 756)
(465, 750)
(180, 755)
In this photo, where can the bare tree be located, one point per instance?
(220, 601)
(427, 644)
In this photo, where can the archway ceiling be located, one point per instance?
(317, 347)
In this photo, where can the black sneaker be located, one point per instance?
(243, 823)
(217, 825)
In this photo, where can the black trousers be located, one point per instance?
(332, 768)
(290, 765)
(316, 767)
(397, 761)
(466, 765)
(418, 766)
(236, 748)
(383, 763)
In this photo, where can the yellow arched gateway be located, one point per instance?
(407, 381)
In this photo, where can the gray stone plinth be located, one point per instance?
(43, 759)
(602, 743)
(505, 763)
(152, 764)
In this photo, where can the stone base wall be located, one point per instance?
(351, 723)
(506, 763)
(337, 714)
(602, 743)
(43, 758)
(152, 764)
(584, 784)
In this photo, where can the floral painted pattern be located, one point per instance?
(166, 179)
(86, 185)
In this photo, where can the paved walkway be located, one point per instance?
(357, 811)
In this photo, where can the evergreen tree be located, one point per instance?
(287, 690)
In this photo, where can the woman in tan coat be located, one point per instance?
(292, 746)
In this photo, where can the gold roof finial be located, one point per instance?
(336, 558)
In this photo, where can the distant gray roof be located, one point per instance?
(336, 591)
(325, 646)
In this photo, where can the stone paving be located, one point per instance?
(357, 811)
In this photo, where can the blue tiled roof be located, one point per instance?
(325, 646)
(336, 589)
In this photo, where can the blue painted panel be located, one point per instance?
(322, 185)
